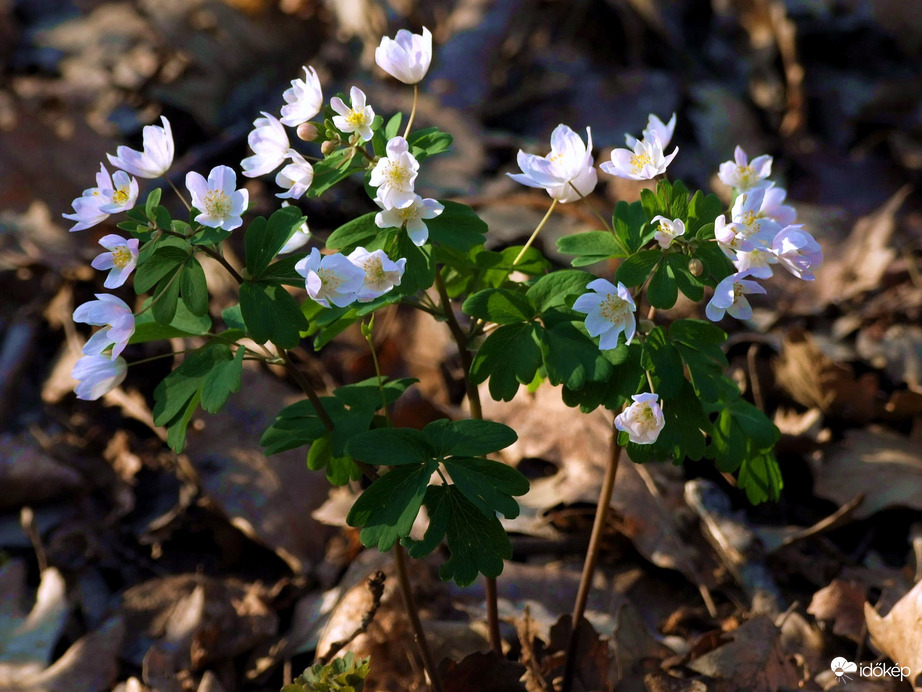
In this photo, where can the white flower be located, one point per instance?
(643, 420)
(644, 161)
(609, 311)
(296, 177)
(120, 260)
(108, 197)
(395, 175)
(797, 251)
(748, 229)
(270, 145)
(355, 119)
(98, 375)
(743, 175)
(381, 273)
(668, 230)
(566, 173)
(411, 215)
(155, 159)
(655, 128)
(303, 100)
(220, 203)
(773, 207)
(730, 296)
(407, 56)
(113, 314)
(330, 278)
(757, 262)
(298, 239)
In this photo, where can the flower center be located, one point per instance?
(614, 308)
(120, 196)
(217, 203)
(121, 257)
(375, 276)
(737, 290)
(638, 161)
(329, 281)
(397, 176)
(746, 175)
(356, 119)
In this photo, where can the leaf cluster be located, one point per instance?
(345, 674)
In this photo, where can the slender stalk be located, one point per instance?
(406, 132)
(215, 255)
(179, 194)
(535, 233)
(308, 389)
(409, 602)
(592, 554)
(592, 208)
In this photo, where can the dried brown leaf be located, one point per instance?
(485, 672)
(842, 604)
(898, 634)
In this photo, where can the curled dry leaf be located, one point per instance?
(842, 604)
(898, 634)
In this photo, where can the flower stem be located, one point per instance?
(592, 554)
(180, 195)
(534, 234)
(409, 602)
(217, 256)
(406, 132)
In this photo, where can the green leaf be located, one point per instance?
(176, 428)
(741, 432)
(702, 210)
(184, 323)
(663, 361)
(478, 544)
(687, 282)
(663, 290)
(419, 271)
(428, 142)
(391, 447)
(716, 265)
(553, 290)
(339, 470)
(223, 379)
(283, 271)
(636, 268)
(591, 247)
(492, 360)
(166, 259)
(211, 236)
(458, 227)
(630, 224)
(193, 287)
(468, 437)
(264, 239)
(499, 305)
(760, 477)
(233, 318)
(271, 314)
(334, 168)
(153, 200)
(388, 507)
(572, 357)
(489, 485)
(166, 298)
(354, 233)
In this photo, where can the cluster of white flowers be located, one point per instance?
(340, 280)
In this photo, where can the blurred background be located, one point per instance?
(832, 89)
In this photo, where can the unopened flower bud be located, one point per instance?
(695, 266)
(328, 147)
(307, 132)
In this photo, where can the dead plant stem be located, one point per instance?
(403, 575)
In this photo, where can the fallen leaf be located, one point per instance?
(485, 672)
(29, 475)
(886, 467)
(594, 661)
(754, 660)
(842, 604)
(898, 634)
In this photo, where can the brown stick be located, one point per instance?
(403, 575)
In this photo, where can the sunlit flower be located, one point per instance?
(331, 279)
(411, 215)
(667, 230)
(156, 157)
(98, 375)
(643, 420)
(643, 161)
(773, 206)
(395, 175)
(381, 273)
(114, 315)
(121, 258)
(748, 229)
(655, 128)
(355, 119)
(111, 195)
(797, 251)
(269, 142)
(303, 100)
(407, 56)
(609, 311)
(757, 262)
(566, 173)
(220, 202)
(295, 178)
(730, 297)
(743, 175)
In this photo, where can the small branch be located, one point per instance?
(592, 554)
(375, 584)
(409, 602)
(308, 389)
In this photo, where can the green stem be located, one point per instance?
(406, 132)
(180, 195)
(534, 235)
(592, 209)
(367, 333)
(592, 555)
(215, 255)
